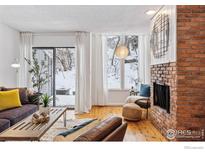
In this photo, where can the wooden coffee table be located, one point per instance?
(26, 131)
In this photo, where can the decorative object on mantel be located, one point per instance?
(42, 118)
(159, 42)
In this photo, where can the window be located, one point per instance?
(113, 64)
(122, 73)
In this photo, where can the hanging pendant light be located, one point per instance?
(122, 51)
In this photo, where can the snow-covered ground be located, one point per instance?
(113, 83)
(65, 100)
(114, 76)
(65, 80)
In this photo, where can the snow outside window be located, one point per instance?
(122, 73)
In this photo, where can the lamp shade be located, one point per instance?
(15, 64)
(121, 52)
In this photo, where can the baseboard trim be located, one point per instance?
(121, 104)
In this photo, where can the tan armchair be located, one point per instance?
(134, 105)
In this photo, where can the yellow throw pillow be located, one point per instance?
(9, 99)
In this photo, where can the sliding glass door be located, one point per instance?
(60, 67)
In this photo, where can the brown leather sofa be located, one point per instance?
(111, 129)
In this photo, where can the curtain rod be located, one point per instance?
(73, 33)
(58, 33)
(54, 34)
(110, 34)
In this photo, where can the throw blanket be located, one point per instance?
(76, 127)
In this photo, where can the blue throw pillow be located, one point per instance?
(145, 90)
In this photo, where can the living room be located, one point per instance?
(92, 73)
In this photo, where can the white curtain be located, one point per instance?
(25, 52)
(83, 73)
(99, 82)
(144, 59)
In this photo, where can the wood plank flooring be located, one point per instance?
(136, 131)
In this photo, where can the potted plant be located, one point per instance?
(45, 100)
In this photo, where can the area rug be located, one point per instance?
(58, 127)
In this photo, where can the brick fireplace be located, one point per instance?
(186, 76)
(164, 74)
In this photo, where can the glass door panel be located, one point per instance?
(65, 76)
(44, 57)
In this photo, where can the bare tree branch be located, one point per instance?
(113, 56)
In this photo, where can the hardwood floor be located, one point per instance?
(136, 131)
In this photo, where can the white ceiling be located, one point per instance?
(77, 18)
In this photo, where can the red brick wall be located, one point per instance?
(190, 67)
(186, 77)
(164, 73)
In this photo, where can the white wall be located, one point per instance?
(9, 50)
(54, 40)
(144, 59)
(117, 97)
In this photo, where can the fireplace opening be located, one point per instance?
(161, 96)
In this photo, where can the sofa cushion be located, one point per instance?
(99, 132)
(9, 99)
(145, 90)
(17, 114)
(143, 103)
(4, 124)
(34, 98)
(22, 93)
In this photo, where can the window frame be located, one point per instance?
(122, 70)
(122, 78)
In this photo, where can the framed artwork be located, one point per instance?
(159, 41)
